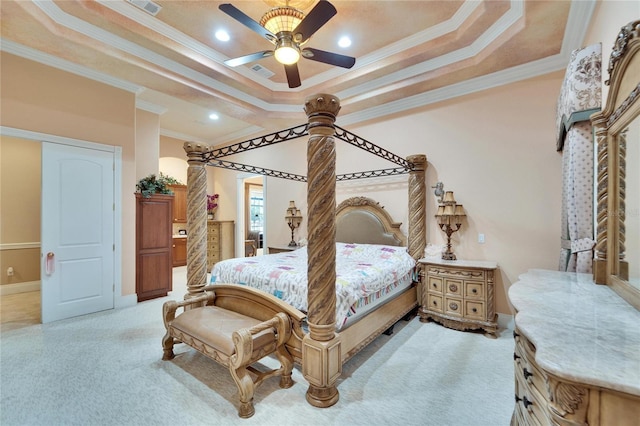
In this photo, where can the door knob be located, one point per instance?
(50, 263)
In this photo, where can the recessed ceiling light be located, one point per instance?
(222, 35)
(344, 41)
(214, 116)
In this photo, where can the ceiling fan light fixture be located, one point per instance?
(281, 19)
(287, 54)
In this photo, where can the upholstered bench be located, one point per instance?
(232, 339)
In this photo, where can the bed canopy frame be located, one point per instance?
(321, 347)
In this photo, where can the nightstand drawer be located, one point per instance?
(474, 289)
(434, 302)
(474, 309)
(435, 284)
(453, 306)
(453, 287)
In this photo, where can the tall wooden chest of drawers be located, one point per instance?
(220, 241)
(458, 294)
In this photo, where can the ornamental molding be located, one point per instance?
(626, 34)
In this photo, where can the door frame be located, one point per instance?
(119, 300)
(241, 214)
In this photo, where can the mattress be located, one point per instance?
(366, 276)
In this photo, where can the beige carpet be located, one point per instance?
(106, 369)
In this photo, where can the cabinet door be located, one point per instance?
(179, 251)
(179, 203)
(153, 246)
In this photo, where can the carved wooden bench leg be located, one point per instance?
(245, 385)
(168, 314)
(286, 362)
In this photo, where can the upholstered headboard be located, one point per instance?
(363, 220)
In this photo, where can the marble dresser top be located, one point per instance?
(582, 331)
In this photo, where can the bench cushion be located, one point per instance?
(214, 326)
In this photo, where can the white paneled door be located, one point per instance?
(77, 264)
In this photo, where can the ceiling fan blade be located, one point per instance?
(329, 57)
(293, 75)
(317, 17)
(244, 19)
(248, 58)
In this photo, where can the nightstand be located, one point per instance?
(458, 294)
(280, 249)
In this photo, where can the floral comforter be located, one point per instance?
(361, 270)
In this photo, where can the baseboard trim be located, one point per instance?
(16, 288)
(126, 301)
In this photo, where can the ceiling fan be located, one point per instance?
(288, 29)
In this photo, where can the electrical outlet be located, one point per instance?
(10, 271)
(481, 238)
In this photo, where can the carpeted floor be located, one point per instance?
(106, 369)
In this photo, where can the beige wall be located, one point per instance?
(496, 151)
(147, 143)
(43, 99)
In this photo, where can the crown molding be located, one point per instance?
(500, 78)
(13, 48)
(71, 22)
(150, 107)
(514, 14)
(240, 134)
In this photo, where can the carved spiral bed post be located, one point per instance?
(196, 218)
(321, 356)
(417, 206)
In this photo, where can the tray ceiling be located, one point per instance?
(408, 54)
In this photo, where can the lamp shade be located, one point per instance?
(448, 198)
(281, 19)
(460, 210)
(449, 210)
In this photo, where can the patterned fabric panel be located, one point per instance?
(581, 90)
(362, 271)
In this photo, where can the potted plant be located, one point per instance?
(153, 184)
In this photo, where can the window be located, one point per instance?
(256, 209)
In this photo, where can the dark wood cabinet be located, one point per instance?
(179, 203)
(179, 251)
(154, 257)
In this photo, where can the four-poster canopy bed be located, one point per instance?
(312, 340)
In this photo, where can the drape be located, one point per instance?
(580, 97)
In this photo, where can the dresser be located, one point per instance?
(458, 294)
(220, 241)
(576, 352)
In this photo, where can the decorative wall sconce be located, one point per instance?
(449, 216)
(293, 218)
